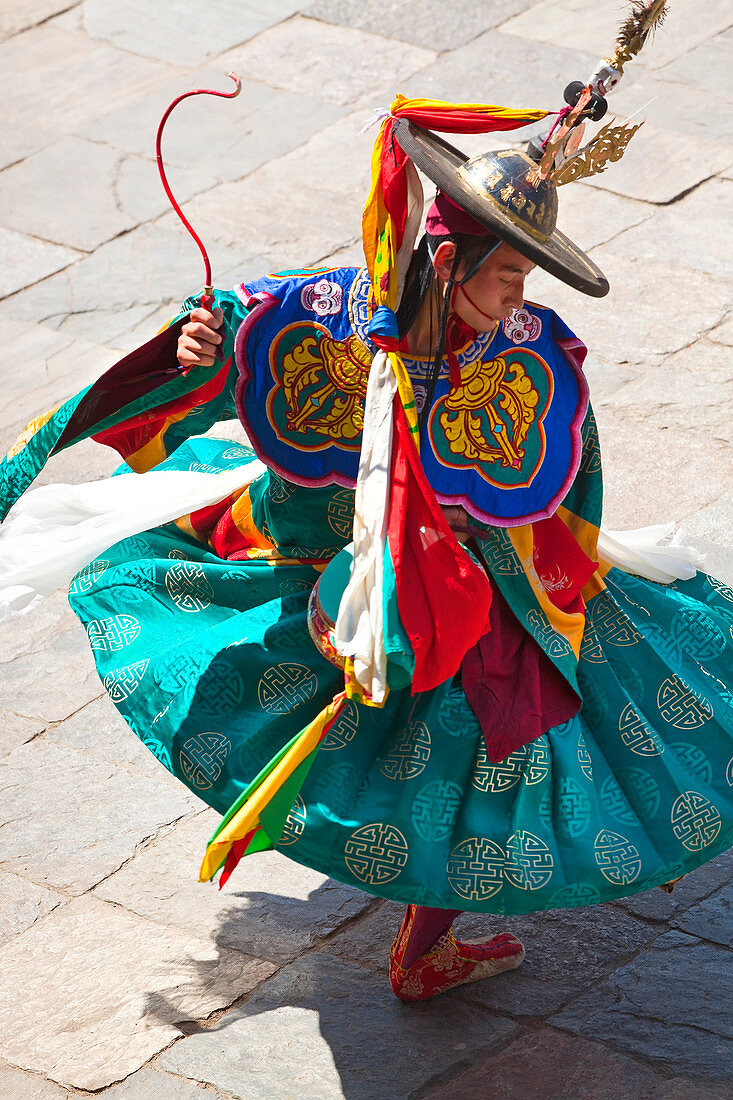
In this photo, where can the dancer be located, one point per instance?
(484, 704)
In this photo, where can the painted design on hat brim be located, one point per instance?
(558, 255)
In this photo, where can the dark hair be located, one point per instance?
(421, 275)
(420, 280)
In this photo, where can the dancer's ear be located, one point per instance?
(444, 259)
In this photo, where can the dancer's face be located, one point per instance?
(493, 292)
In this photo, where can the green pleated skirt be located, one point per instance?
(211, 664)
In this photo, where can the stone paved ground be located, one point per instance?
(118, 973)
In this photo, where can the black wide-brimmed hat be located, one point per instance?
(505, 193)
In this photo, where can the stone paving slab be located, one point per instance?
(239, 135)
(25, 259)
(588, 25)
(15, 1084)
(81, 217)
(659, 164)
(591, 217)
(271, 908)
(694, 385)
(327, 1029)
(630, 447)
(671, 1005)
(100, 733)
(125, 281)
(713, 525)
(172, 35)
(605, 377)
(23, 141)
(543, 1064)
(321, 218)
(16, 730)
(15, 18)
(678, 106)
(711, 919)
(151, 1084)
(657, 905)
(646, 295)
(70, 821)
(429, 23)
(689, 233)
(23, 904)
(722, 333)
(497, 63)
(53, 687)
(596, 939)
(39, 382)
(662, 164)
(707, 66)
(61, 76)
(340, 64)
(31, 633)
(103, 991)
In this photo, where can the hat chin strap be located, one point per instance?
(452, 286)
(467, 296)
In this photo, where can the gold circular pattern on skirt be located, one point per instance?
(682, 707)
(340, 513)
(284, 687)
(637, 734)
(376, 853)
(695, 821)
(86, 578)
(409, 754)
(584, 759)
(475, 868)
(122, 682)
(343, 730)
(610, 623)
(539, 763)
(590, 647)
(202, 759)
(529, 861)
(112, 633)
(497, 777)
(188, 587)
(618, 859)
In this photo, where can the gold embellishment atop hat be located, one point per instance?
(563, 159)
(607, 147)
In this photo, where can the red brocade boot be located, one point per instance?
(448, 963)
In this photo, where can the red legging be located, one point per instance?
(428, 926)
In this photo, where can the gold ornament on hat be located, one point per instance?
(563, 160)
(607, 147)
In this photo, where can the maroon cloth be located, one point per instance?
(512, 686)
(427, 927)
(131, 378)
(445, 217)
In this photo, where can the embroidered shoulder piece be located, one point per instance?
(505, 443)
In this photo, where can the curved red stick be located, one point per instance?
(207, 296)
